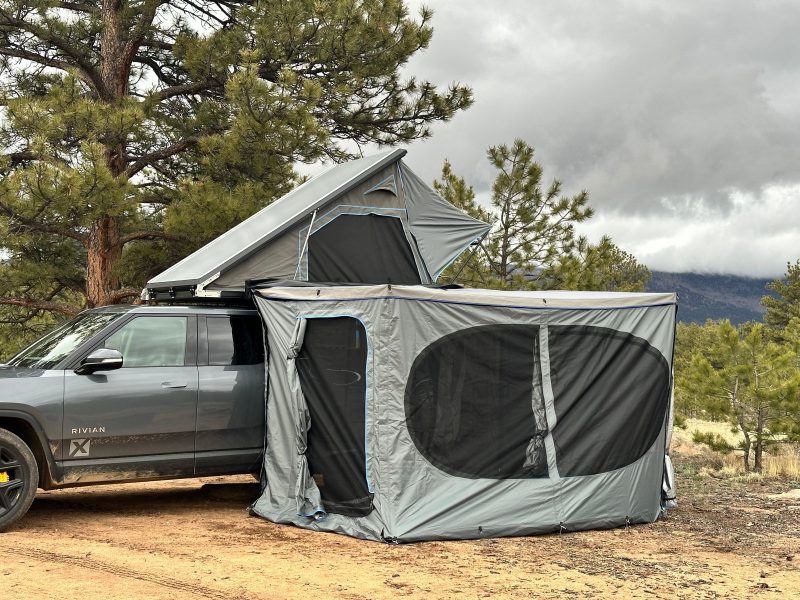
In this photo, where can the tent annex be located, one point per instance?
(406, 413)
(370, 220)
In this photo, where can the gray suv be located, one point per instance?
(131, 393)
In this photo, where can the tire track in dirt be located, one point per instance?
(122, 571)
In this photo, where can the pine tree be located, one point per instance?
(535, 224)
(601, 267)
(135, 130)
(533, 243)
(756, 379)
(781, 310)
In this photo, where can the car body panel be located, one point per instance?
(38, 394)
(130, 413)
(230, 417)
(137, 427)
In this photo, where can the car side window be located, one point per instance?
(151, 342)
(234, 340)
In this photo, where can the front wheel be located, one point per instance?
(19, 478)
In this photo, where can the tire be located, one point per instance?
(18, 466)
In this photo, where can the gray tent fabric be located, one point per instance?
(444, 370)
(309, 502)
(442, 231)
(277, 242)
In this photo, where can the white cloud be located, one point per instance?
(679, 118)
(757, 236)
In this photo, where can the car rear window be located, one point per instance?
(235, 340)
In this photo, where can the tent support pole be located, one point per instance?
(305, 245)
(475, 247)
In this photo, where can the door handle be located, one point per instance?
(168, 385)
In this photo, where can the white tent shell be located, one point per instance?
(406, 234)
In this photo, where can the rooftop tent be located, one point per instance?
(370, 220)
(406, 413)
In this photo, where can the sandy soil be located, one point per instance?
(194, 539)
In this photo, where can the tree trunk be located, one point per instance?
(758, 454)
(103, 250)
(740, 420)
(746, 455)
(759, 449)
(104, 245)
(115, 67)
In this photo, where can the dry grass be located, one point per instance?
(782, 460)
(720, 428)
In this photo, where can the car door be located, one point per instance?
(230, 409)
(138, 421)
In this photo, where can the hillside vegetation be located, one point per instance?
(704, 296)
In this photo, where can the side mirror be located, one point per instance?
(102, 359)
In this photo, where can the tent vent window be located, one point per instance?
(474, 404)
(385, 185)
(332, 370)
(611, 391)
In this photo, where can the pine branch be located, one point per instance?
(88, 9)
(64, 309)
(122, 294)
(185, 89)
(146, 235)
(140, 29)
(155, 67)
(34, 57)
(22, 156)
(34, 225)
(91, 75)
(144, 161)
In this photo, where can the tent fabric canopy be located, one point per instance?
(414, 413)
(424, 233)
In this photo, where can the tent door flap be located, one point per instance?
(331, 365)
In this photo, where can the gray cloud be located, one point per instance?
(663, 111)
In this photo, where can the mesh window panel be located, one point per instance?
(470, 401)
(611, 394)
(361, 249)
(332, 369)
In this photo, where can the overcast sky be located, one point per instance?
(681, 118)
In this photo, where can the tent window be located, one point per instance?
(362, 249)
(332, 369)
(470, 403)
(611, 393)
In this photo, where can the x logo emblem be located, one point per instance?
(79, 447)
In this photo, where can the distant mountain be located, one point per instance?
(705, 296)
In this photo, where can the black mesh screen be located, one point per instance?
(469, 401)
(611, 395)
(361, 249)
(332, 370)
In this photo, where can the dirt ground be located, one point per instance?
(729, 538)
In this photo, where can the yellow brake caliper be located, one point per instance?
(3, 476)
